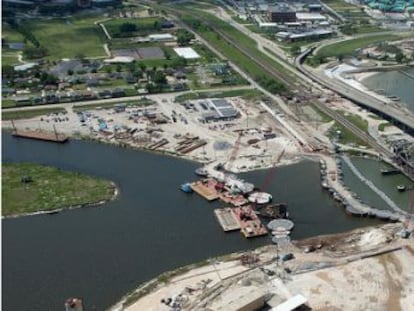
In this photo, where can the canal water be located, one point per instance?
(371, 169)
(101, 253)
(394, 83)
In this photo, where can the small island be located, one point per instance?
(30, 188)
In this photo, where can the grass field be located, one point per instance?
(382, 126)
(9, 59)
(228, 50)
(361, 123)
(144, 25)
(25, 114)
(246, 94)
(10, 35)
(69, 37)
(8, 103)
(50, 189)
(346, 137)
(346, 9)
(348, 47)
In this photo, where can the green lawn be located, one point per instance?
(228, 50)
(8, 59)
(50, 189)
(382, 126)
(346, 137)
(67, 38)
(10, 35)
(348, 47)
(361, 123)
(244, 93)
(8, 103)
(144, 25)
(26, 114)
(324, 117)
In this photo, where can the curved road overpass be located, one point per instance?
(400, 118)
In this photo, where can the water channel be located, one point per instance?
(103, 252)
(371, 169)
(397, 83)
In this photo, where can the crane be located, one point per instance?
(234, 152)
(271, 173)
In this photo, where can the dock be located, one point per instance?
(46, 136)
(206, 188)
(227, 219)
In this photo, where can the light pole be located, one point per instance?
(215, 269)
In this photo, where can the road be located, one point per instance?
(288, 80)
(355, 95)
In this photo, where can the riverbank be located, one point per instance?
(30, 189)
(373, 248)
(150, 203)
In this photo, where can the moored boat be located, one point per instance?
(186, 187)
(401, 188)
(201, 171)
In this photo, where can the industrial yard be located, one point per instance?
(197, 130)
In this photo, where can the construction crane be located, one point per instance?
(271, 173)
(234, 152)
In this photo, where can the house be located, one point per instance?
(130, 79)
(105, 94)
(92, 82)
(118, 92)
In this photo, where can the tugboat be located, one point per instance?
(401, 188)
(186, 187)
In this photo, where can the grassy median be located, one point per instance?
(29, 188)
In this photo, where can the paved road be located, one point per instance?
(356, 95)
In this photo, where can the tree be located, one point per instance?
(70, 72)
(179, 62)
(157, 25)
(118, 68)
(142, 66)
(127, 27)
(7, 70)
(34, 52)
(295, 50)
(159, 77)
(399, 57)
(184, 37)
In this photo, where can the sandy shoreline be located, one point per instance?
(198, 284)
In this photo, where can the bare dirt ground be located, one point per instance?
(254, 152)
(365, 269)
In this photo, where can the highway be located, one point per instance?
(357, 96)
